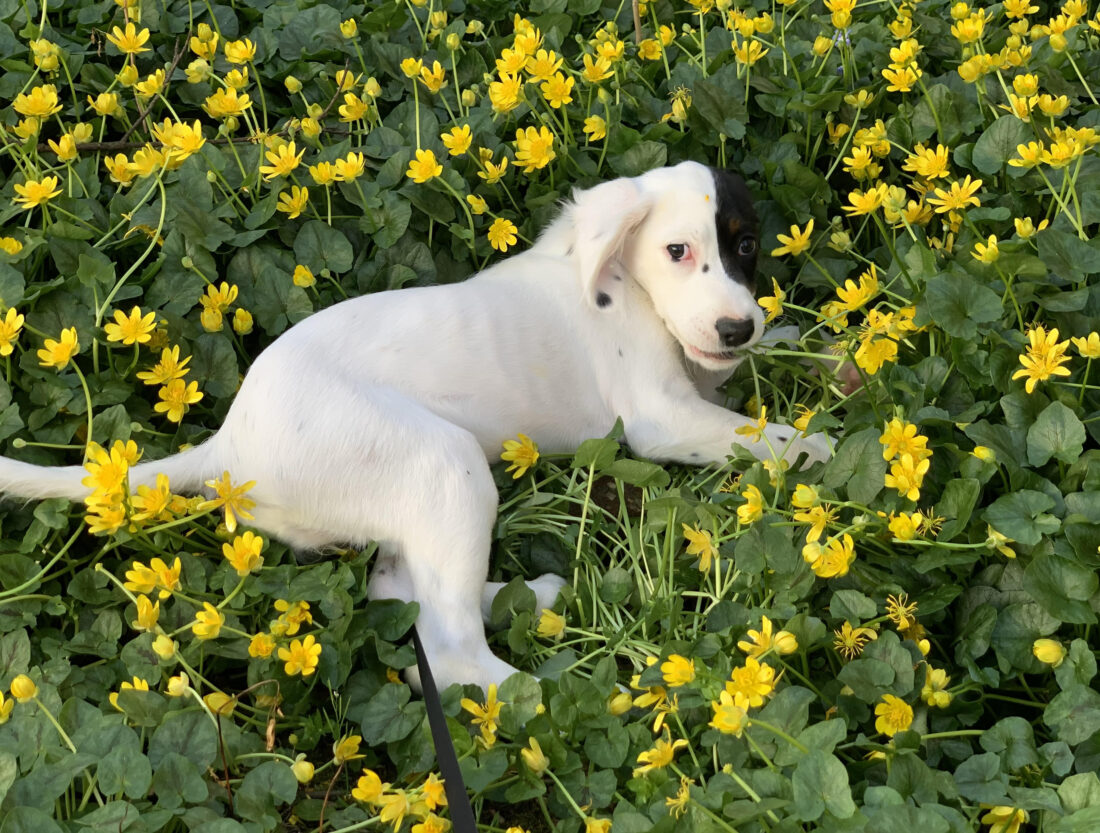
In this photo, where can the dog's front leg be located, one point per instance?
(697, 432)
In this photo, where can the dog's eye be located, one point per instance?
(747, 247)
(676, 251)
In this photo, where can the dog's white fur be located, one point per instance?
(376, 419)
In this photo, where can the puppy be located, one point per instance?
(376, 419)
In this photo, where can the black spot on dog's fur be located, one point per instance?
(603, 300)
(706, 267)
(734, 219)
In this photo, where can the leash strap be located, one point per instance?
(462, 813)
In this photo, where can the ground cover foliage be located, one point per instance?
(899, 639)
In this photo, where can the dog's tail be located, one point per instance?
(186, 471)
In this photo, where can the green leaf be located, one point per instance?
(820, 783)
(1062, 588)
(1022, 516)
(15, 654)
(637, 473)
(956, 506)
(190, 734)
(641, 157)
(263, 791)
(616, 585)
(1056, 433)
(389, 716)
(998, 144)
(979, 778)
(1068, 257)
(1013, 740)
(178, 782)
(852, 605)
(600, 452)
(1074, 714)
(9, 771)
(858, 465)
(958, 304)
(28, 820)
(320, 246)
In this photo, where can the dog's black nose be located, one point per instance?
(734, 332)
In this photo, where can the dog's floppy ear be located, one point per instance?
(603, 217)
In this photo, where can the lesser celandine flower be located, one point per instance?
(134, 328)
(729, 717)
(1044, 357)
(477, 204)
(773, 304)
(23, 688)
(534, 148)
(303, 770)
(595, 128)
(347, 749)
(10, 328)
(457, 140)
(700, 544)
(424, 167)
(850, 640)
(1088, 347)
(179, 685)
(243, 553)
(534, 757)
(282, 161)
(795, 243)
(261, 645)
(751, 683)
(485, 717)
(522, 454)
(502, 234)
(129, 40)
(1003, 819)
(293, 202)
(208, 622)
(761, 641)
(57, 354)
(753, 507)
(147, 614)
(240, 51)
(176, 398)
(893, 715)
(933, 692)
(35, 192)
(660, 755)
(678, 670)
(231, 498)
(551, 625)
(1049, 651)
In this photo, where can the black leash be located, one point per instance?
(462, 813)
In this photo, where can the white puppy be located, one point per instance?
(376, 419)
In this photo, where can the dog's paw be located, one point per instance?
(546, 588)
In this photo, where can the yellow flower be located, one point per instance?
(1044, 357)
(849, 641)
(35, 192)
(761, 641)
(369, 787)
(57, 354)
(261, 645)
(551, 625)
(283, 161)
(660, 756)
(534, 757)
(435, 78)
(534, 148)
(557, 90)
(346, 748)
(178, 686)
(818, 517)
(23, 688)
(10, 327)
(700, 544)
(292, 617)
(493, 173)
(751, 683)
(240, 51)
(900, 438)
(748, 52)
(176, 398)
(243, 554)
(1025, 226)
(502, 234)
(231, 498)
(933, 692)
(504, 93)
(303, 276)
(457, 140)
(773, 304)
(226, 103)
(164, 647)
(293, 202)
(349, 28)
(796, 243)
(205, 43)
(832, 559)
(242, 321)
(151, 86)
(865, 202)
(168, 368)
(893, 715)
(129, 40)
(753, 507)
(137, 685)
(901, 611)
(678, 670)
(6, 707)
(134, 328)
(754, 430)
(1002, 819)
(477, 204)
(424, 167)
(65, 147)
(522, 453)
(595, 128)
(596, 68)
(1088, 347)
(485, 717)
(1049, 651)
(906, 475)
(904, 526)
(303, 770)
(957, 197)
(411, 67)
(353, 108)
(301, 657)
(539, 66)
(729, 718)
(208, 622)
(148, 613)
(220, 703)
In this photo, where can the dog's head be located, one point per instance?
(688, 236)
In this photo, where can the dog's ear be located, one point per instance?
(603, 219)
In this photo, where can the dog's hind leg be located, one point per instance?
(546, 589)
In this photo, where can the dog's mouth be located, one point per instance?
(705, 355)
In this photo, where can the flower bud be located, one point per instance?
(23, 688)
(1048, 651)
(302, 769)
(292, 84)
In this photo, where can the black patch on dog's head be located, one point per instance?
(736, 224)
(603, 300)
